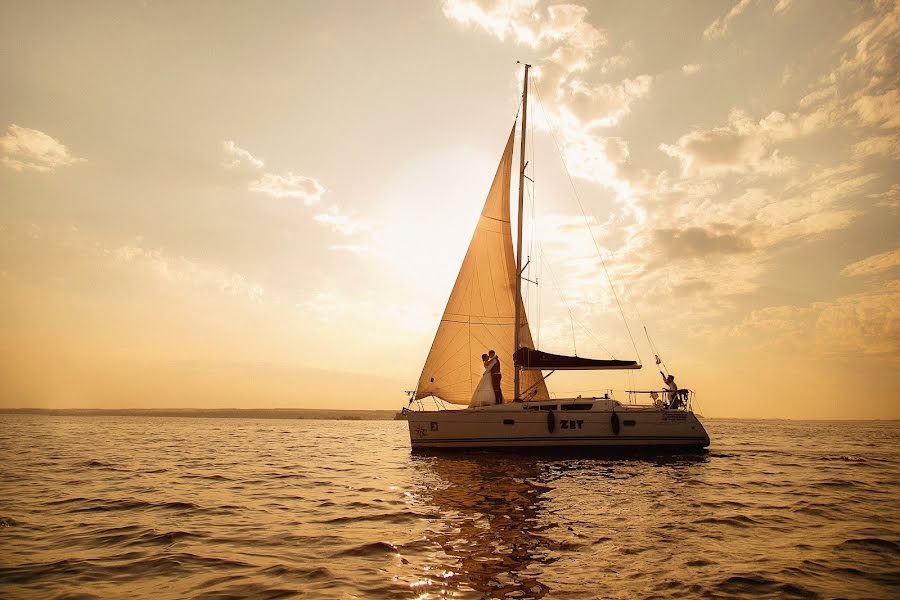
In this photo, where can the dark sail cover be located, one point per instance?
(535, 360)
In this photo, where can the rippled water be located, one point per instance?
(211, 508)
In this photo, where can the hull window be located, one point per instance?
(576, 406)
(628, 423)
(509, 421)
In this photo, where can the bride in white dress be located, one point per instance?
(484, 391)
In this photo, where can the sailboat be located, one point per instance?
(515, 410)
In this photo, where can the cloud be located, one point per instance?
(692, 287)
(783, 6)
(778, 325)
(340, 222)
(27, 149)
(289, 185)
(302, 188)
(866, 323)
(885, 145)
(738, 192)
(804, 206)
(575, 105)
(800, 198)
(719, 27)
(878, 263)
(526, 23)
(179, 269)
(743, 145)
(236, 157)
(861, 89)
(251, 168)
(881, 110)
(604, 105)
(728, 234)
(697, 242)
(889, 198)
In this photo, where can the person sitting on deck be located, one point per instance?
(672, 388)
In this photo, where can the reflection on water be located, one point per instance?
(500, 525)
(494, 514)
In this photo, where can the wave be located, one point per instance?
(872, 544)
(129, 536)
(837, 483)
(844, 458)
(758, 584)
(104, 505)
(251, 590)
(370, 549)
(699, 562)
(111, 505)
(392, 517)
(10, 522)
(742, 521)
(127, 566)
(296, 572)
(205, 477)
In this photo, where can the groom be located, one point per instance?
(495, 375)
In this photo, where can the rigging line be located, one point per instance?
(568, 307)
(533, 181)
(580, 324)
(655, 351)
(531, 192)
(649, 341)
(540, 271)
(586, 220)
(530, 195)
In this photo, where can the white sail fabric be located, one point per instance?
(480, 313)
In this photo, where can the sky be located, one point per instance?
(243, 204)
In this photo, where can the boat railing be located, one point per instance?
(657, 398)
(654, 398)
(663, 398)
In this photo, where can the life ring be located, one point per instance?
(614, 421)
(551, 421)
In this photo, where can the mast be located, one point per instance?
(518, 322)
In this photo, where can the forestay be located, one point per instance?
(480, 314)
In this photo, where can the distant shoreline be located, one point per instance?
(319, 414)
(215, 413)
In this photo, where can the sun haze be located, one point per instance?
(266, 205)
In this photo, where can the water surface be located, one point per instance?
(214, 508)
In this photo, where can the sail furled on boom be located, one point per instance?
(480, 314)
(536, 360)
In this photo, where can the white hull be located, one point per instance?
(566, 423)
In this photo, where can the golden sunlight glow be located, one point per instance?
(221, 219)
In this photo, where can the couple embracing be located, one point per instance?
(488, 390)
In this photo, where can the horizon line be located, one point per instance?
(159, 412)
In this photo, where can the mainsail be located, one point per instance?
(480, 313)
